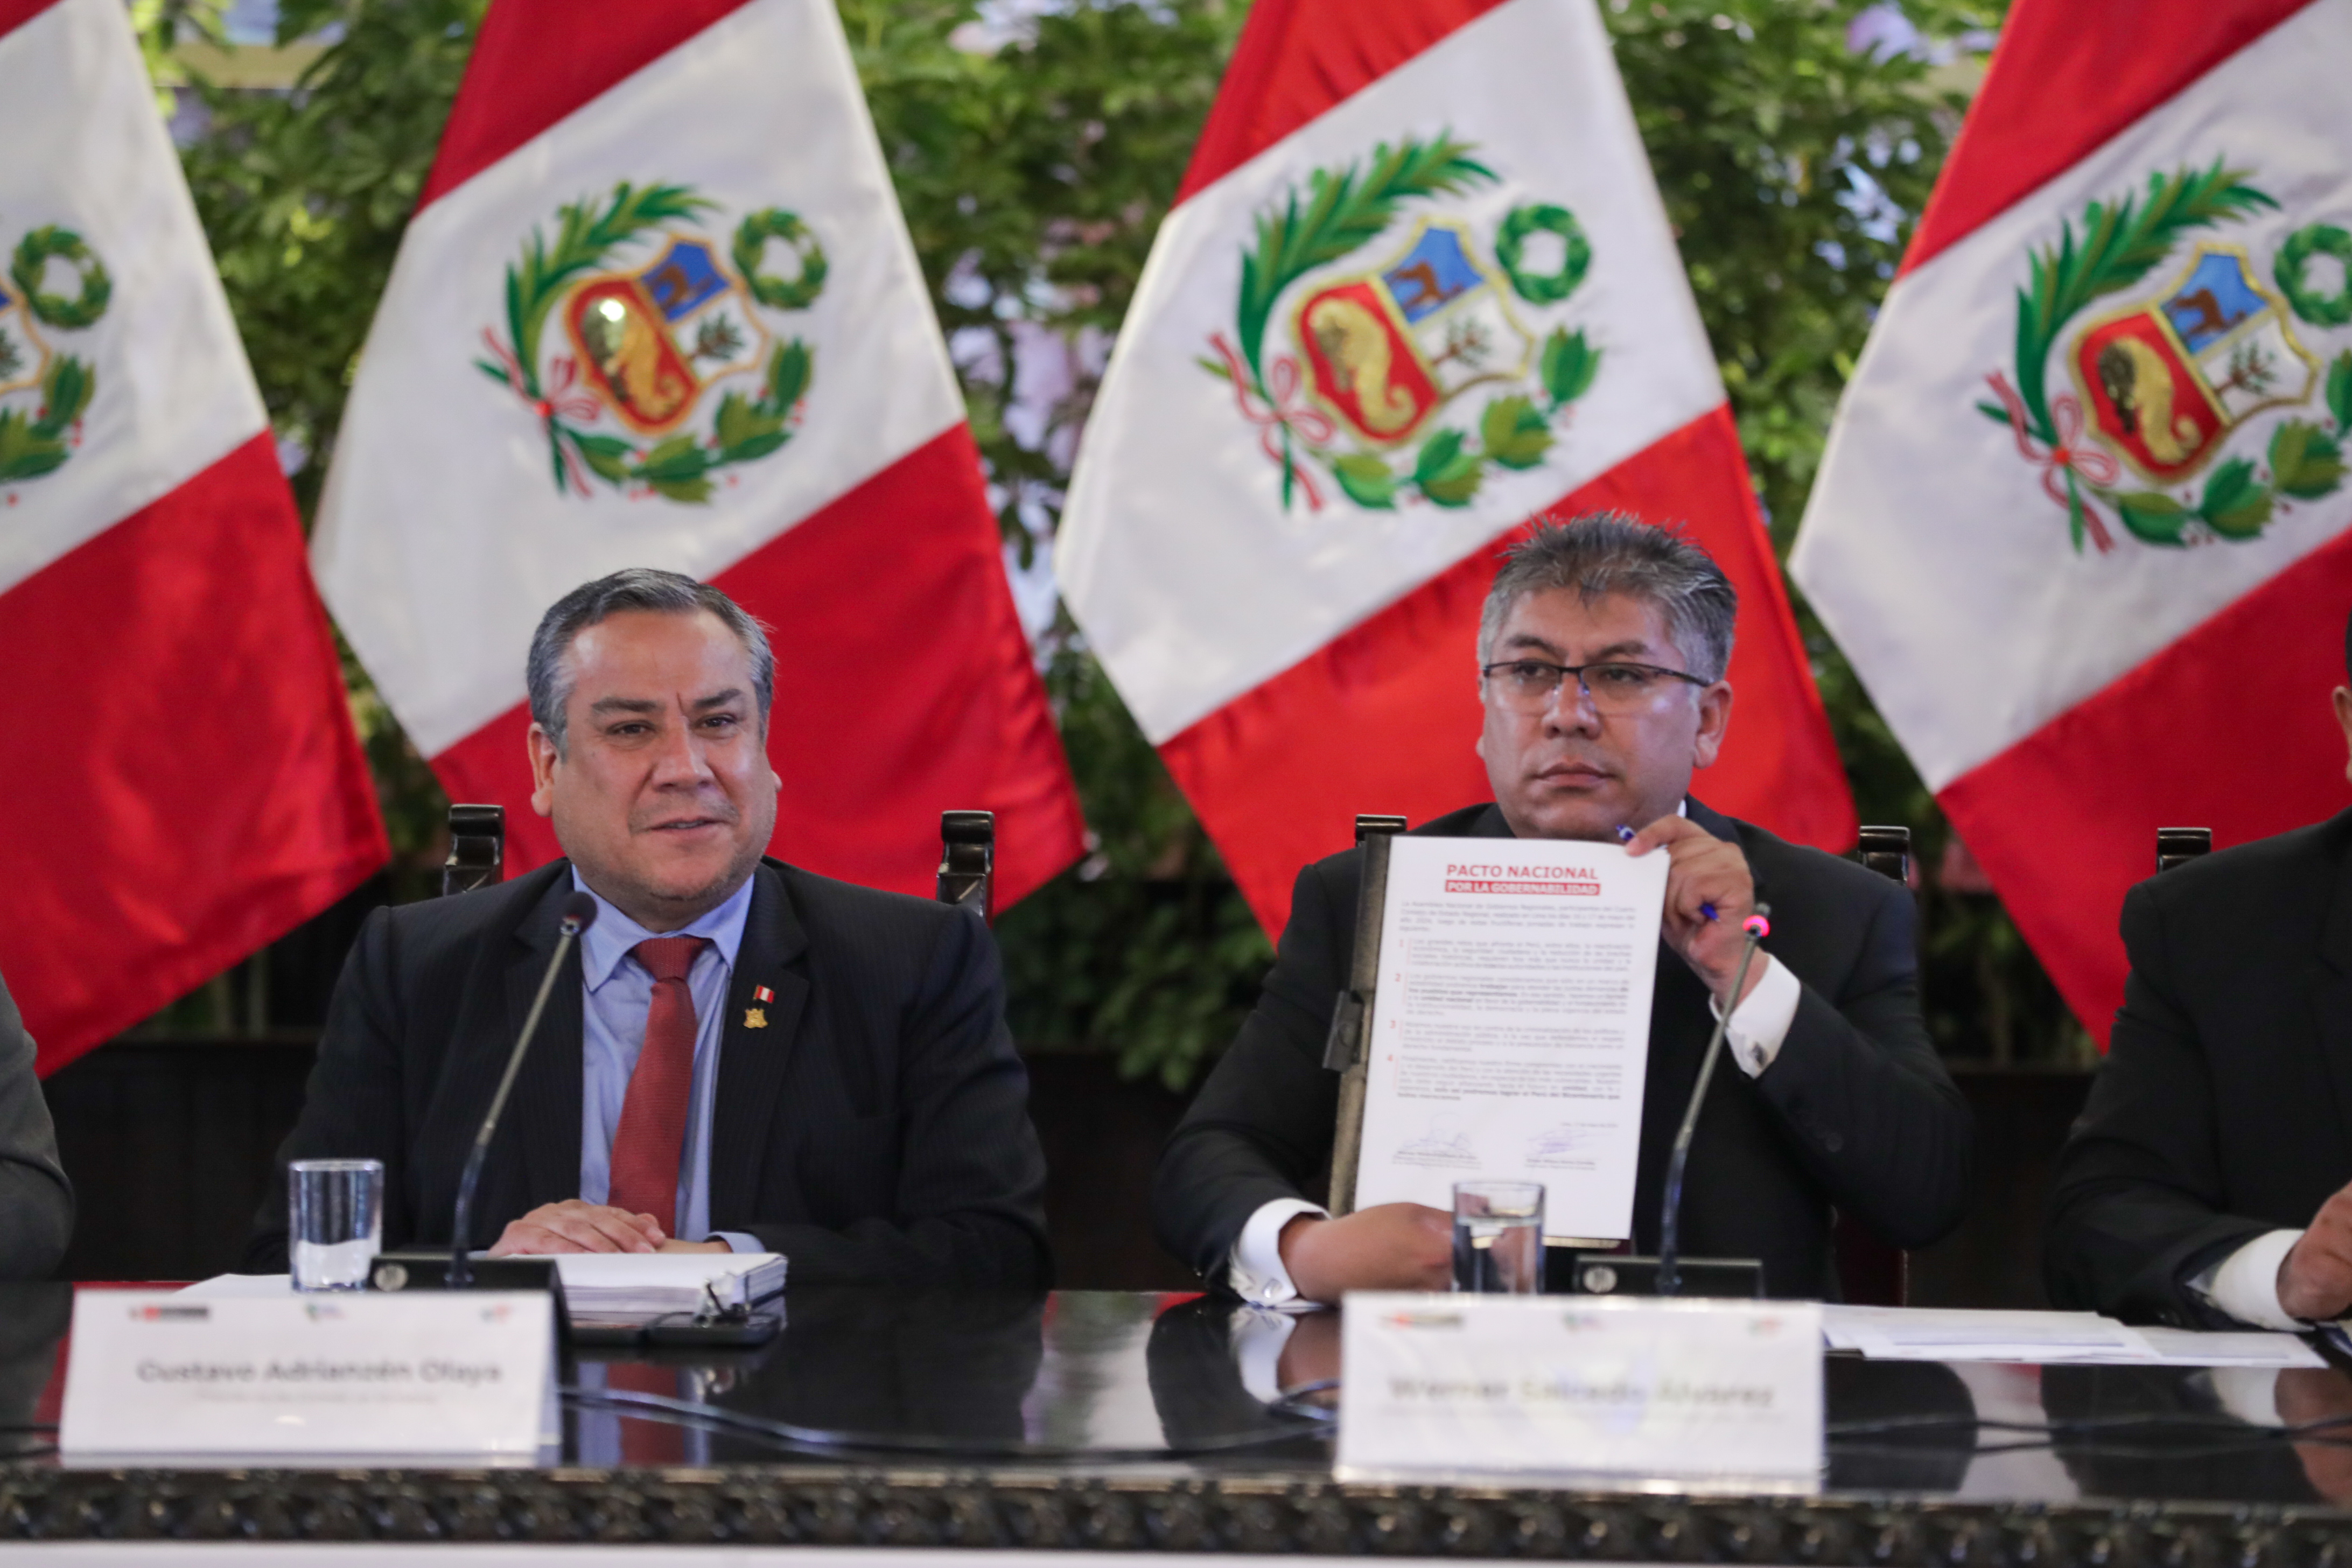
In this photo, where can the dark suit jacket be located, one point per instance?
(36, 1201)
(1856, 1111)
(876, 1130)
(2224, 1108)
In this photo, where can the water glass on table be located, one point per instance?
(1499, 1238)
(336, 1222)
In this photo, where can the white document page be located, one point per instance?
(1962, 1333)
(1510, 1030)
(2229, 1347)
(1953, 1333)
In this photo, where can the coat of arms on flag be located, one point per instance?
(55, 283)
(650, 318)
(1388, 326)
(2149, 240)
(661, 297)
(2165, 385)
(1417, 286)
(151, 568)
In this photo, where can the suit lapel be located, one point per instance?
(1681, 993)
(1489, 824)
(1714, 821)
(756, 1045)
(545, 1107)
(1725, 829)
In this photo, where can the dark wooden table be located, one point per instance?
(1101, 1420)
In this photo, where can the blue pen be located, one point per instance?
(1626, 835)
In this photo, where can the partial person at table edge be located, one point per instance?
(2208, 1182)
(740, 1055)
(1838, 1097)
(37, 1200)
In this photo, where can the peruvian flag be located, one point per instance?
(183, 784)
(657, 307)
(2081, 524)
(1417, 286)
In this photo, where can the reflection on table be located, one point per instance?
(2202, 1445)
(33, 1322)
(1136, 1383)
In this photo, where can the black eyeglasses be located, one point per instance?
(1614, 687)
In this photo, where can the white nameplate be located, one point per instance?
(443, 1373)
(1641, 1394)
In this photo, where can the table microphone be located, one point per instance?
(579, 914)
(1757, 926)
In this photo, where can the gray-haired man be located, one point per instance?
(741, 1055)
(1602, 652)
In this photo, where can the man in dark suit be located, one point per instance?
(2204, 1185)
(739, 1055)
(1602, 651)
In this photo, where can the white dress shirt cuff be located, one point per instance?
(1760, 1023)
(738, 1240)
(2245, 1283)
(1256, 1271)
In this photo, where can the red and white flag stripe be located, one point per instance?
(1316, 430)
(658, 307)
(184, 783)
(2081, 526)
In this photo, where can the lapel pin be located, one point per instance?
(755, 1018)
(762, 994)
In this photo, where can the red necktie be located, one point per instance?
(646, 1144)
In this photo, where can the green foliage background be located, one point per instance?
(1032, 175)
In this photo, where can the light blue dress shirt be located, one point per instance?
(618, 993)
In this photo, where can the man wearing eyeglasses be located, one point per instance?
(1602, 656)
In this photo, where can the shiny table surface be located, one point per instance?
(1099, 1384)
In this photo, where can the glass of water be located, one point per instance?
(1499, 1238)
(337, 1217)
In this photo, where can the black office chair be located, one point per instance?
(1871, 1272)
(478, 841)
(2178, 845)
(968, 860)
(1887, 852)
(477, 849)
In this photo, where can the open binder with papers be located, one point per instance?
(604, 1287)
(628, 1297)
(599, 1298)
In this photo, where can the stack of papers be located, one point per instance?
(1917, 1334)
(650, 1284)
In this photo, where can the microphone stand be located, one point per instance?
(1757, 926)
(579, 914)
